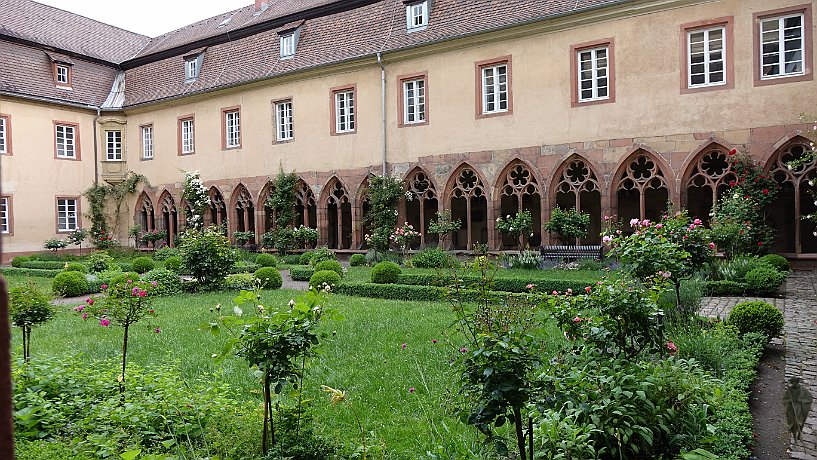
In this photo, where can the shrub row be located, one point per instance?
(407, 292)
(726, 288)
(719, 288)
(301, 273)
(244, 267)
(518, 285)
(43, 264)
(31, 272)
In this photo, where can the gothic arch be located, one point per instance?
(145, 215)
(267, 214)
(518, 188)
(641, 186)
(243, 210)
(421, 203)
(169, 217)
(794, 198)
(577, 185)
(305, 205)
(467, 196)
(706, 178)
(360, 210)
(337, 207)
(217, 215)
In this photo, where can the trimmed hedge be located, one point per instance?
(142, 264)
(43, 264)
(410, 292)
(270, 277)
(266, 260)
(244, 268)
(331, 265)
(517, 285)
(124, 266)
(75, 267)
(41, 272)
(301, 273)
(18, 261)
(291, 259)
(724, 288)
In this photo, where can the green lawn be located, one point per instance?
(362, 355)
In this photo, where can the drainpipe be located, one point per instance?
(382, 105)
(96, 153)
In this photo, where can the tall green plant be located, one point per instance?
(207, 256)
(282, 202)
(384, 194)
(195, 193)
(443, 226)
(568, 224)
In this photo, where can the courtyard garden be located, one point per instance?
(208, 350)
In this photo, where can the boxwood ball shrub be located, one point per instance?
(167, 282)
(75, 267)
(266, 260)
(305, 258)
(18, 261)
(124, 277)
(333, 265)
(756, 316)
(142, 264)
(386, 273)
(777, 261)
(173, 263)
(70, 284)
(357, 260)
(270, 277)
(325, 277)
(431, 258)
(764, 281)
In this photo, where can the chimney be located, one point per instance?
(261, 5)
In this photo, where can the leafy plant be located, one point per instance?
(305, 236)
(568, 224)
(326, 279)
(266, 260)
(167, 282)
(319, 255)
(443, 225)
(28, 307)
(75, 267)
(55, 244)
(357, 260)
(241, 238)
(332, 265)
(431, 258)
(77, 237)
(207, 256)
(195, 194)
(764, 281)
(142, 264)
(269, 277)
(386, 273)
(384, 193)
(526, 260)
(780, 263)
(517, 226)
(98, 196)
(282, 203)
(99, 261)
(757, 316)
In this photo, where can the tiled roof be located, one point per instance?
(35, 22)
(347, 35)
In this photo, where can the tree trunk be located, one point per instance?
(124, 359)
(520, 435)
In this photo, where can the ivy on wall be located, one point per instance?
(98, 196)
(282, 203)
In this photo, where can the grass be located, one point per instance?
(361, 355)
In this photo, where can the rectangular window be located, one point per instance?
(5, 135)
(113, 145)
(495, 89)
(706, 57)
(232, 129)
(5, 215)
(414, 101)
(62, 74)
(187, 136)
(191, 71)
(67, 214)
(344, 111)
(283, 120)
(782, 46)
(147, 142)
(593, 74)
(288, 45)
(65, 141)
(417, 15)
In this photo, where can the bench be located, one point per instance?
(595, 252)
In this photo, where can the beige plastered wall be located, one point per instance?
(34, 178)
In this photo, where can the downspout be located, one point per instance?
(382, 105)
(96, 153)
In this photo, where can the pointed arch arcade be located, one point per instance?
(641, 187)
(145, 217)
(421, 204)
(360, 212)
(706, 179)
(338, 209)
(519, 190)
(217, 215)
(169, 217)
(243, 211)
(468, 201)
(794, 200)
(306, 209)
(576, 186)
(267, 214)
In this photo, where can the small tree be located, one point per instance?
(517, 226)
(241, 238)
(127, 302)
(54, 244)
(384, 194)
(77, 237)
(207, 256)
(274, 342)
(443, 226)
(569, 225)
(28, 307)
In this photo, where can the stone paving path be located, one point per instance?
(800, 313)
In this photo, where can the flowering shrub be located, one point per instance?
(526, 260)
(404, 236)
(443, 225)
(101, 238)
(519, 224)
(77, 237)
(241, 238)
(195, 194)
(305, 236)
(568, 224)
(154, 235)
(384, 193)
(55, 244)
(127, 302)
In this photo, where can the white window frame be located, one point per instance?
(67, 148)
(287, 42)
(491, 76)
(345, 111)
(5, 220)
(188, 133)
(707, 57)
(595, 73)
(283, 121)
(414, 101)
(4, 149)
(781, 50)
(417, 16)
(62, 76)
(113, 145)
(232, 129)
(67, 215)
(147, 142)
(191, 69)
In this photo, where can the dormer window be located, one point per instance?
(288, 45)
(191, 69)
(62, 74)
(417, 16)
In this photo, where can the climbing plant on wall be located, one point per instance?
(98, 195)
(282, 203)
(195, 193)
(384, 195)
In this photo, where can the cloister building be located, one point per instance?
(482, 107)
